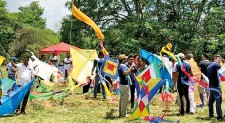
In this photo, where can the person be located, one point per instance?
(97, 67)
(183, 83)
(191, 90)
(25, 74)
(203, 67)
(123, 71)
(42, 58)
(214, 84)
(54, 59)
(132, 83)
(67, 64)
(11, 70)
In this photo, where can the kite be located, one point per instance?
(110, 67)
(159, 67)
(195, 69)
(11, 101)
(82, 61)
(1, 59)
(166, 50)
(82, 17)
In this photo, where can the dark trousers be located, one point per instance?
(132, 92)
(183, 91)
(24, 103)
(86, 87)
(215, 96)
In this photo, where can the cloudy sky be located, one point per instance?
(54, 10)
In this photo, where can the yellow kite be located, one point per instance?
(82, 17)
(1, 59)
(82, 61)
(195, 69)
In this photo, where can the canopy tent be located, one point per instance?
(58, 48)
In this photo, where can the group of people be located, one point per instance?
(127, 70)
(24, 72)
(182, 82)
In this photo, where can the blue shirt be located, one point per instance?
(213, 75)
(182, 78)
(121, 69)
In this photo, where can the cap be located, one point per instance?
(122, 56)
(14, 58)
(181, 55)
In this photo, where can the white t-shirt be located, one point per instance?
(55, 58)
(25, 74)
(67, 63)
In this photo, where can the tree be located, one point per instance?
(30, 16)
(32, 39)
(8, 26)
(132, 24)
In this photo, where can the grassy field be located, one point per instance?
(83, 108)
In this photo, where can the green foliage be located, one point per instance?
(25, 29)
(192, 26)
(30, 16)
(8, 25)
(32, 39)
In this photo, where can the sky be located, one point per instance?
(54, 10)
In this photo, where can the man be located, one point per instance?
(25, 74)
(214, 84)
(54, 59)
(67, 64)
(183, 83)
(123, 71)
(132, 83)
(97, 67)
(11, 70)
(203, 67)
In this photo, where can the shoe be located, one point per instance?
(23, 112)
(220, 119)
(17, 112)
(211, 116)
(201, 105)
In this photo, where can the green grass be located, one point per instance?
(79, 108)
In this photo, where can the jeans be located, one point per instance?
(215, 96)
(97, 79)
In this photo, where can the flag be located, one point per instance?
(82, 17)
(109, 67)
(1, 59)
(82, 61)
